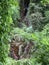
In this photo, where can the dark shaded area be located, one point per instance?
(36, 1)
(24, 8)
(26, 5)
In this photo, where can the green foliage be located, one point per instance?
(5, 27)
(38, 15)
(22, 62)
(21, 33)
(42, 52)
(41, 40)
(38, 21)
(15, 17)
(15, 13)
(45, 2)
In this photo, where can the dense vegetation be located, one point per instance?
(34, 26)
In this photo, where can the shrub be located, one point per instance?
(38, 15)
(42, 52)
(5, 27)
